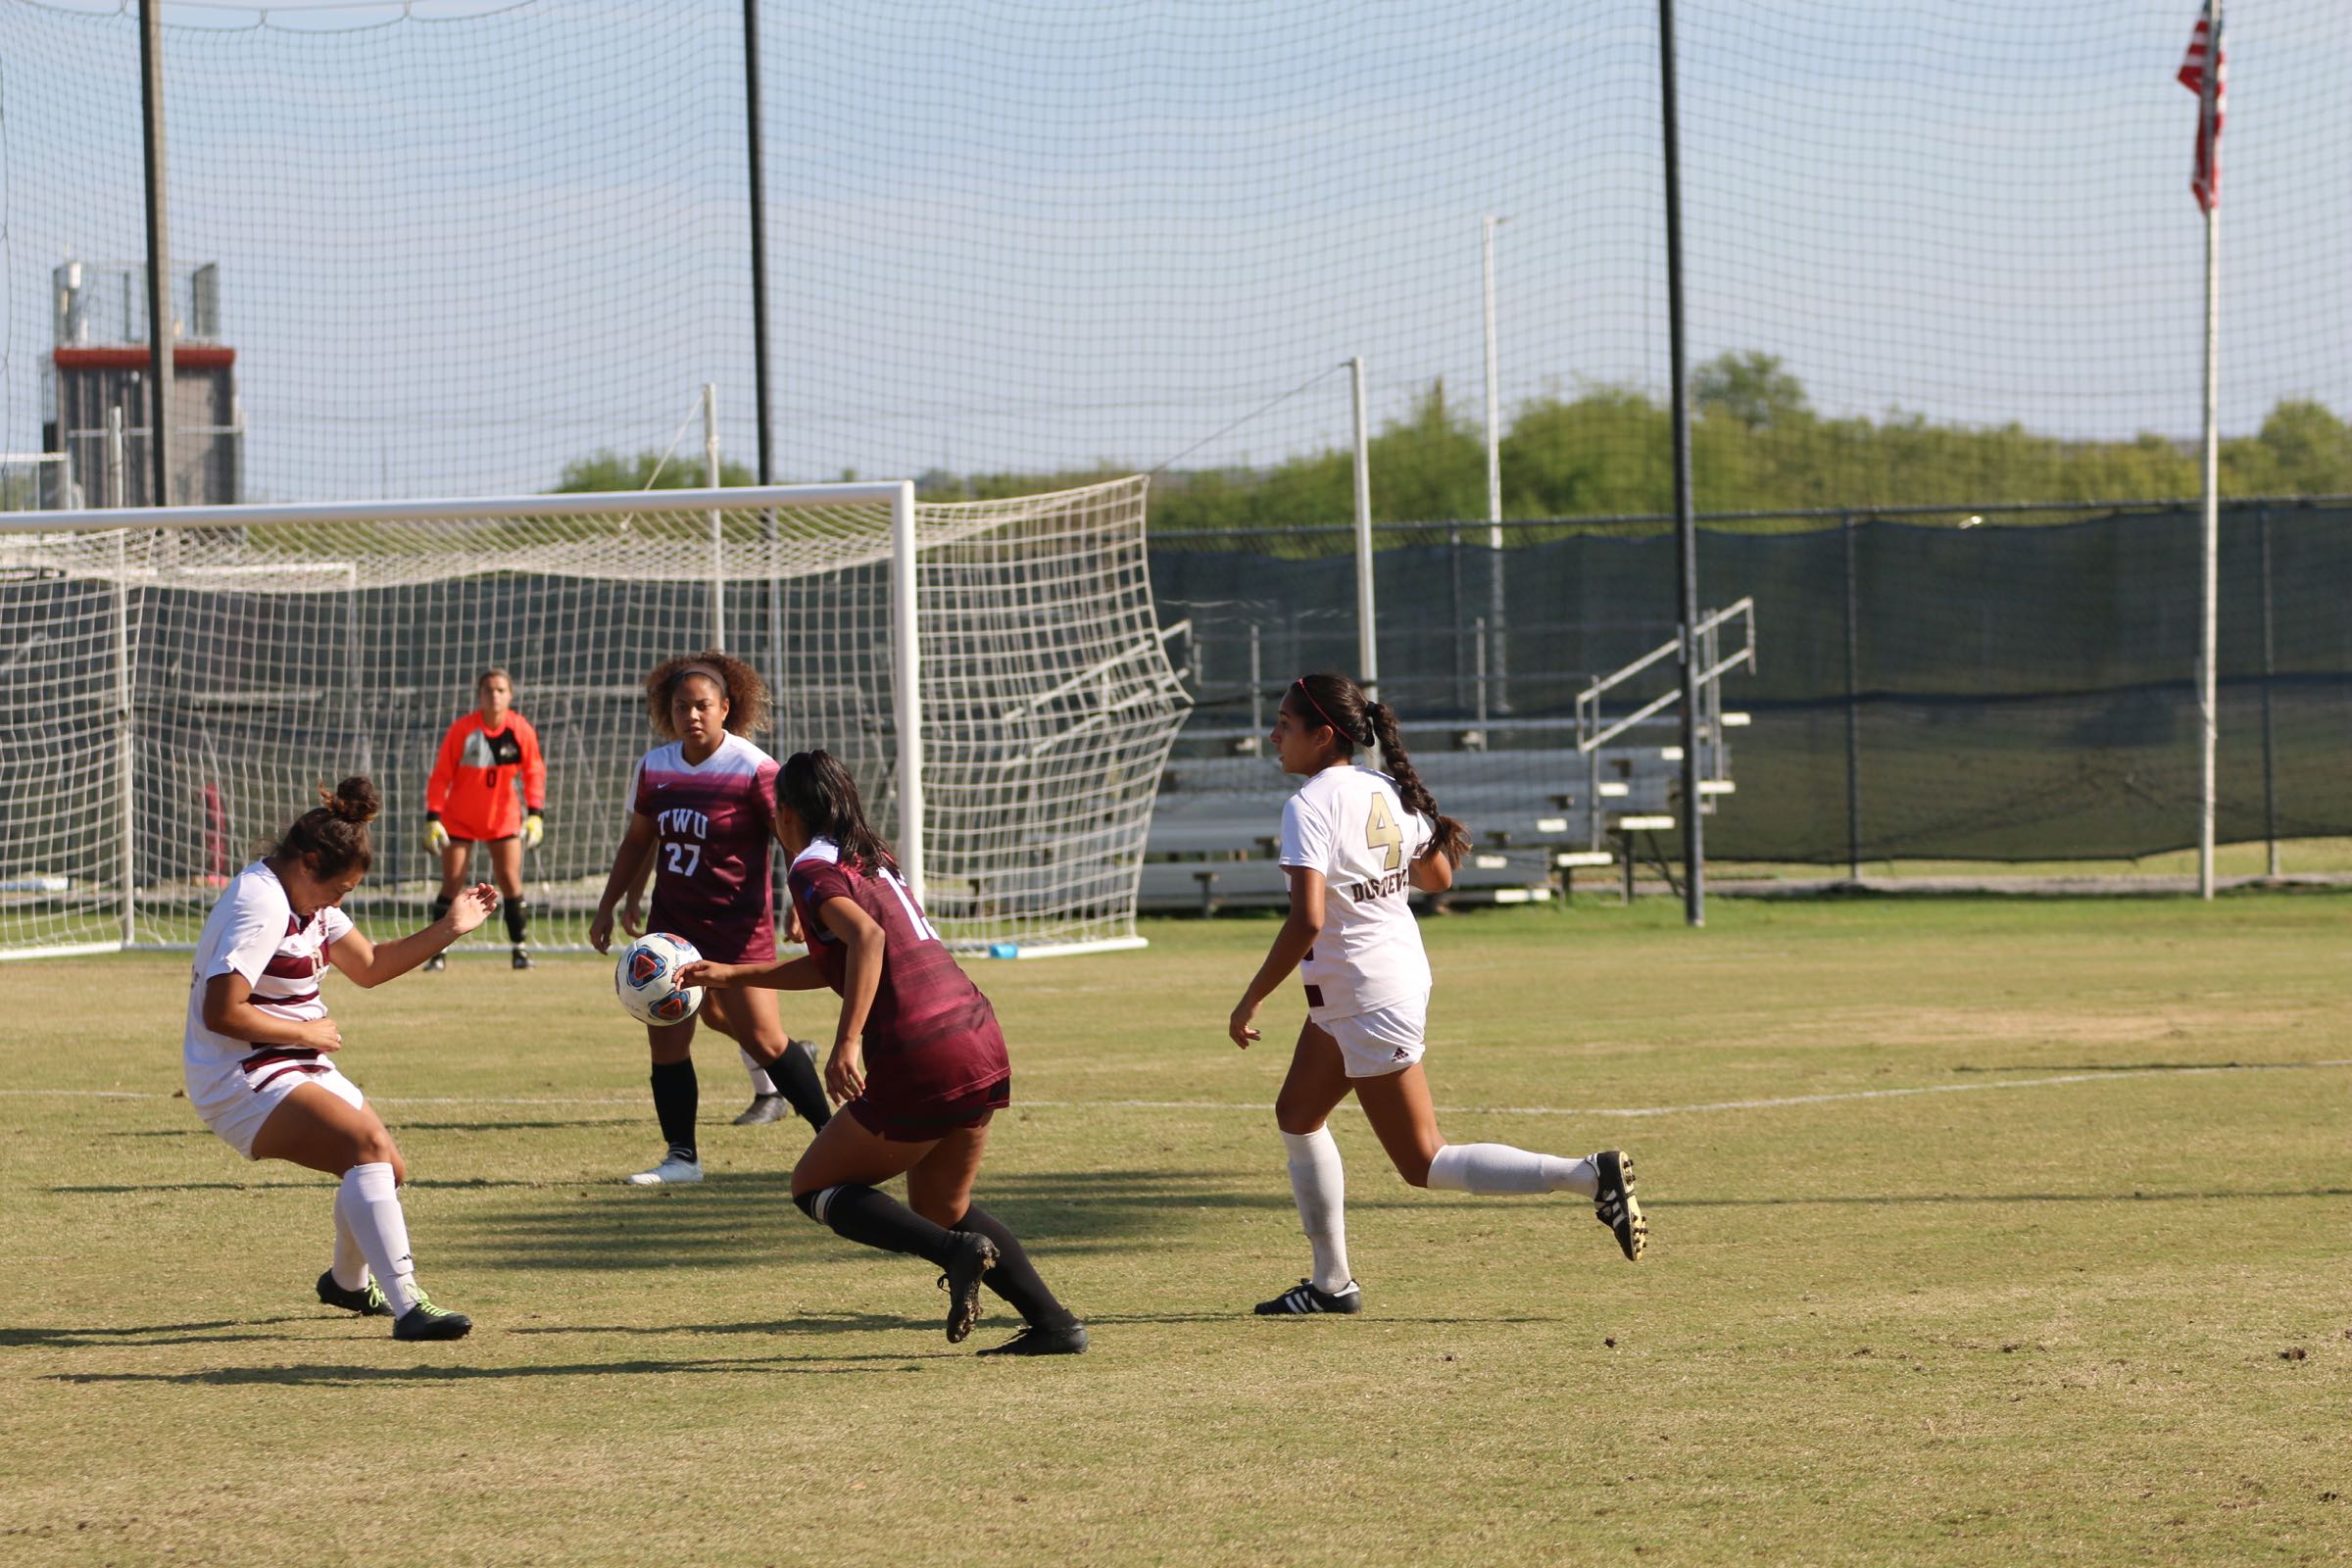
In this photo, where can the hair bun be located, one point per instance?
(352, 801)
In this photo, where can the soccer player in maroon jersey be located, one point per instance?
(918, 1062)
(704, 808)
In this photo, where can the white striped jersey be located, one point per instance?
(1348, 823)
(253, 931)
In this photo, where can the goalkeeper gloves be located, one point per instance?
(534, 828)
(436, 837)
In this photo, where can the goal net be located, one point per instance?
(177, 682)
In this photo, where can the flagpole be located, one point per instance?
(2208, 644)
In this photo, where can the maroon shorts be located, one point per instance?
(738, 942)
(919, 1121)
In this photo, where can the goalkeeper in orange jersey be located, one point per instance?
(471, 799)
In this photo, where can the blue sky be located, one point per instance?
(462, 245)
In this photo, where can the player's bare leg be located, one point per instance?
(318, 1131)
(1397, 1105)
(748, 1016)
(1310, 1091)
(837, 1183)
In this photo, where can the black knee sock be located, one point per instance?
(519, 919)
(876, 1219)
(441, 906)
(1014, 1277)
(794, 1074)
(676, 1096)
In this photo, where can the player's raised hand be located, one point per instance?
(1238, 1026)
(472, 907)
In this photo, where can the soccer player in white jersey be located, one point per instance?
(1354, 842)
(704, 808)
(258, 1041)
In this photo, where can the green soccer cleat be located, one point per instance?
(425, 1321)
(367, 1301)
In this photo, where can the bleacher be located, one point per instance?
(1544, 798)
(1538, 810)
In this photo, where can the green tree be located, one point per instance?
(609, 470)
(1752, 388)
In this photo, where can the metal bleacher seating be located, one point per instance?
(1543, 798)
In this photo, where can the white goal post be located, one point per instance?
(174, 682)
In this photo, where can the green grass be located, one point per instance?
(2093, 1308)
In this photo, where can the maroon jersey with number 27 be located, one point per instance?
(930, 1035)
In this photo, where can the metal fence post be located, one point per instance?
(1853, 707)
(2270, 668)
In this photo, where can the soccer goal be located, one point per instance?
(173, 683)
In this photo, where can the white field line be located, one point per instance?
(1254, 1108)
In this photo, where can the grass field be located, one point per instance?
(1980, 1231)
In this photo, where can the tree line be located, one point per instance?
(1757, 445)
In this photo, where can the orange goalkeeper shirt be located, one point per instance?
(472, 787)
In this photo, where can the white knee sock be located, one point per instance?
(351, 1264)
(1497, 1168)
(370, 1205)
(761, 1083)
(1320, 1185)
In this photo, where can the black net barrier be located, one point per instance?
(2017, 692)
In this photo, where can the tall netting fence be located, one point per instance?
(1937, 254)
(176, 694)
(1923, 690)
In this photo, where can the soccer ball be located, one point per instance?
(646, 979)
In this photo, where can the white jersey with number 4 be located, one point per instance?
(1348, 823)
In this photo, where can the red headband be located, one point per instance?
(1301, 683)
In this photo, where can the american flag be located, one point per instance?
(2206, 182)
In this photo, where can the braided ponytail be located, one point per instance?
(1452, 838)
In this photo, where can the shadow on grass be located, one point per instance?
(314, 1374)
(805, 1323)
(145, 1334)
(747, 1220)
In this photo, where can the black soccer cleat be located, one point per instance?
(762, 1109)
(974, 1256)
(367, 1301)
(1615, 1206)
(522, 956)
(1036, 1340)
(1303, 1300)
(425, 1321)
(437, 963)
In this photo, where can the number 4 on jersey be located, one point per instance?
(1382, 831)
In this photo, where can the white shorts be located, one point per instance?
(235, 1102)
(1386, 1040)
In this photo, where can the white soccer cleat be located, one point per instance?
(671, 1172)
